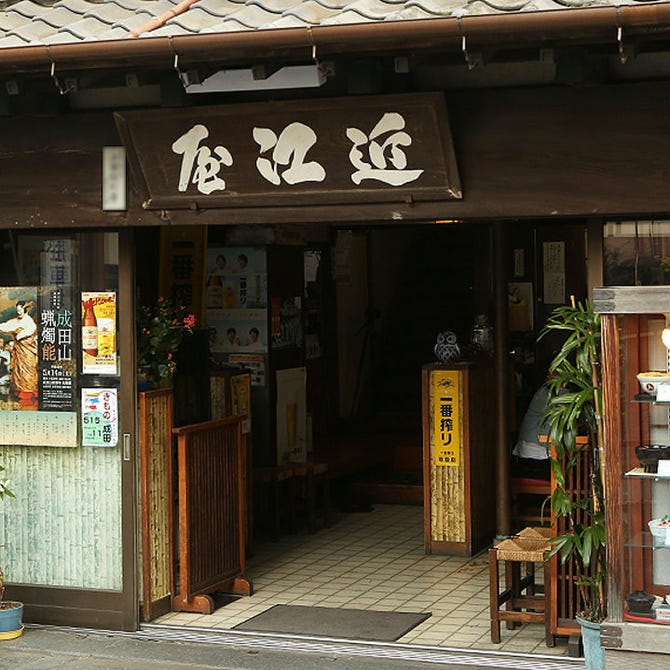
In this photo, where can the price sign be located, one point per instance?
(663, 392)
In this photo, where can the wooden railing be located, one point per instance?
(211, 513)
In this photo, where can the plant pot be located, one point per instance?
(11, 615)
(594, 654)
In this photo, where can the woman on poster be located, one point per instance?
(23, 372)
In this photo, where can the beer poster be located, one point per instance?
(98, 332)
(292, 415)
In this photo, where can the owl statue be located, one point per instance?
(447, 349)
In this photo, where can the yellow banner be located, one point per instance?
(446, 417)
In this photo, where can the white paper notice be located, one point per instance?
(553, 254)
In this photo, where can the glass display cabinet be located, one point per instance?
(636, 473)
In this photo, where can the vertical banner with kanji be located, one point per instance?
(182, 267)
(447, 417)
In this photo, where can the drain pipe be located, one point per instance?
(522, 29)
(502, 368)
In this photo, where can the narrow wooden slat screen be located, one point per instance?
(565, 605)
(155, 441)
(211, 513)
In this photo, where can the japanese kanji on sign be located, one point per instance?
(394, 148)
(446, 417)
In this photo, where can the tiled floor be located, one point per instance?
(376, 560)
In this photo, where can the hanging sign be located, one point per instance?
(99, 418)
(446, 417)
(395, 148)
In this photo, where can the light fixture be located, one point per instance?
(258, 79)
(665, 334)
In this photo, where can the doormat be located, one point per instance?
(349, 624)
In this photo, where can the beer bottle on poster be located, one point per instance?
(89, 330)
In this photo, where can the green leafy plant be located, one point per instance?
(160, 330)
(4, 493)
(574, 408)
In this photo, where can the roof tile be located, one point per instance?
(288, 21)
(251, 17)
(169, 29)
(27, 8)
(12, 41)
(274, 6)
(61, 37)
(311, 12)
(220, 8)
(194, 20)
(28, 21)
(138, 5)
(78, 6)
(32, 31)
(109, 12)
(133, 21)
(10, 20)
(110, 34)
(59, 17)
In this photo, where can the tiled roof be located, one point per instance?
(69, 21)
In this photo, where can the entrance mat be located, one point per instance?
(349, 624)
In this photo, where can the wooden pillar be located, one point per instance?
(501, 353)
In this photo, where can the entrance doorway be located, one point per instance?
(376, 310)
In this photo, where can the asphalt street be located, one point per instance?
(77, 649)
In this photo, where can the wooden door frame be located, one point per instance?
(128, 433)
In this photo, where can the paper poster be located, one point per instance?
(236, 278)
(553, 255)
(39, 429)
(19, 348)
(233, 330)
(99, 417)
(291, 415)
(98, 332)
(255, 363)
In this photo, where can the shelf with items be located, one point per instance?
(641, 474)
(638, 562)
(649, 398)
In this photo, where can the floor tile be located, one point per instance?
(376, 561)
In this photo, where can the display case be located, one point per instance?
(637, 489)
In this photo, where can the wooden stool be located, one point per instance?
(315, 474)
(528, 547)
(271, 481)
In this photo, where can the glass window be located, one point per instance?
(637, 253)
(59, 410)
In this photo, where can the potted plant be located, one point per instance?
(160, 330)
(11, 611)
(575, 408)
